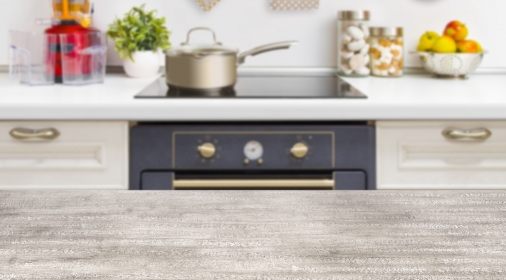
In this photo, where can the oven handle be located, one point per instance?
(188, 184)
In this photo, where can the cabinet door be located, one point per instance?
(63, 155)
(417, 155)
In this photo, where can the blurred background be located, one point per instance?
(249, 23)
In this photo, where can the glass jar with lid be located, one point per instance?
(387, 51)
(352, 43)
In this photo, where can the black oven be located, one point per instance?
(237, 156)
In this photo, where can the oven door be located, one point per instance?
(339, 180)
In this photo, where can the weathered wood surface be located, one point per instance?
(253, 235)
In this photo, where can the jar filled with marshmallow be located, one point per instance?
(352, 42)
(387, 51)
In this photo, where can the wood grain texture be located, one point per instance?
(253, 235)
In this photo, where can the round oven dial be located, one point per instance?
(253, 150)
(207, 150)
(299, 150)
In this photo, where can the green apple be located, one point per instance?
(427, 41)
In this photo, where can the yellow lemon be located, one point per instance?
(445, 44)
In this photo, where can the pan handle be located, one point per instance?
(265, 48)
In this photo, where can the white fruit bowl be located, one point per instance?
(450, 65)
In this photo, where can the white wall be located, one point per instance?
(248, 23)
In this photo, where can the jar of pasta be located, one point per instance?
(387, 51)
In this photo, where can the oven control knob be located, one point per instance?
(299, 150)
(207, 150)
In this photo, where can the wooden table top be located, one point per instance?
(253, 235)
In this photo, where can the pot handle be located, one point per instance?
(201, 28)
(265, 48)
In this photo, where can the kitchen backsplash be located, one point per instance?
(249, 23)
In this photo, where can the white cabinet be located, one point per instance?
(416, 155)
(84, 155)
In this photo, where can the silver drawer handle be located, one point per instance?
(26, 133)
(476, 134)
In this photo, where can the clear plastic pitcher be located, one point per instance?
(83, 58)
(31, 60)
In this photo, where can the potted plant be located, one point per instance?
(139, 36)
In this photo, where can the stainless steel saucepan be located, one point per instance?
(208, 67)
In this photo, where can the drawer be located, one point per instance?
(416, 155)
(84, 155)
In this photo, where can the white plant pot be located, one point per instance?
(146, 64)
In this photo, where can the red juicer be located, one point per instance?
(72, 20)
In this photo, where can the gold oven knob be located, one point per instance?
(207, 150)
(299, 150)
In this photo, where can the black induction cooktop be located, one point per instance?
(263, 87)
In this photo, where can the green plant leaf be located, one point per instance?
(139, 30)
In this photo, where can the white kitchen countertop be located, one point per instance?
(412, 97)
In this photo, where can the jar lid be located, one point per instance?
(386, 31)
(353, 15)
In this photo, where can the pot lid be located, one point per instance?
(215, 48)
(201, 50)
